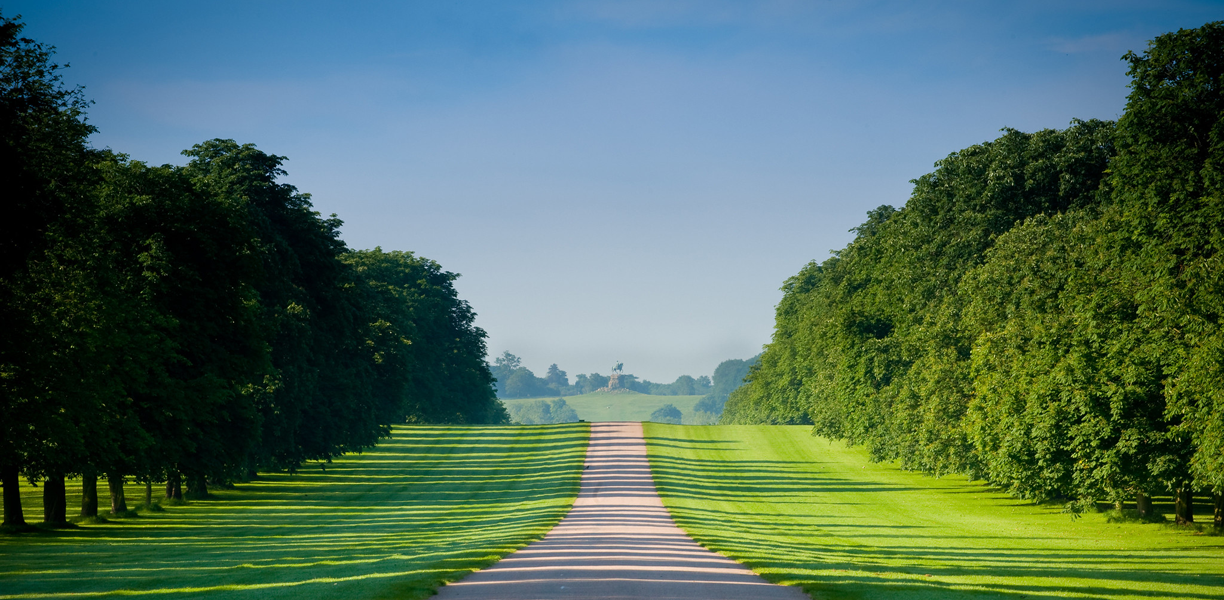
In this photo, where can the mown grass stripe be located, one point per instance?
(805, 511)
(435, 502)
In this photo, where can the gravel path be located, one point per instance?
(617, 542)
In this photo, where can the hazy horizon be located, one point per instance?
(616, 182)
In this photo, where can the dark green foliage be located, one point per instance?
(196, 324)
(428, 355)
(179, 276)
(1043, 312)
(316, 402)
(1169, 232)
(44, 158)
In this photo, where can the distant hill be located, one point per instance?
(599, 406)
(516, 381)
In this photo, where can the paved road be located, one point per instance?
(617, 542)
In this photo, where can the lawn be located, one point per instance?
(806, 511)
(602, 407)
(426, 506)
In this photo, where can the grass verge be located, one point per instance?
(805, 511)
(426, 506)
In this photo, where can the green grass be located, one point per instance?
(805, 511)
(602, 407)
(426, 506)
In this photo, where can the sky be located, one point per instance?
(614, 181)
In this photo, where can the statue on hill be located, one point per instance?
(615, 383)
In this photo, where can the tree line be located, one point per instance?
(516, 381)
(728, 376)
(543, 412)
(1044, 312)
(191, 326)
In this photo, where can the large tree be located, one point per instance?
(44, 158)
(1168, 186)
(317, 403)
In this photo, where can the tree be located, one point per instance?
(503, 367)
(1168, 186)
(556, 378)
(524, 384)
(666, 414)
(543, 412)
(428, 354)
(44, 157)
(317, 404)
(869, 345)
(185, 264)
(728, 375)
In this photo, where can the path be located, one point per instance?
(617, 542)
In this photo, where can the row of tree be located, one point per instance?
(543, 412)
(516, 381)
(1045, 312)
(194, 325)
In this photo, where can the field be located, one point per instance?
(599, 406)
(809, 512)
(426, 506)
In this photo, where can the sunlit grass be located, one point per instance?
(806, 511)
(427, 506)
(604, 407)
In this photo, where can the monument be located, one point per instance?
(615, 385)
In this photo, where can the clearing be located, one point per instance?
(806, 511)
(428, 505)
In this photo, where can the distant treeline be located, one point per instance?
(543, 412)
(517, 381)
(194, 325)
(728, 377)
(1045, 312)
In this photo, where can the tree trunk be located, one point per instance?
(1219, 510)
(197, 487)
(12, 496)
(118, 501)
(1184, 508)
(174, 486)
(55, 500)
(1143, 504)
(148, 493)
(89, 493)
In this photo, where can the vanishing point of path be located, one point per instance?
(617, 542)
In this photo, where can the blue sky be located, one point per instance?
(615, 181)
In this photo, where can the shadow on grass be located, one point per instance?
(839, 533)
(428, 506)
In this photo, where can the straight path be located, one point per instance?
(617, 542)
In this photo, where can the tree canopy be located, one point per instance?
(1043, 312)
(198, 324)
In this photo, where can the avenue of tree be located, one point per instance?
(194, 325)
(1044, 312)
